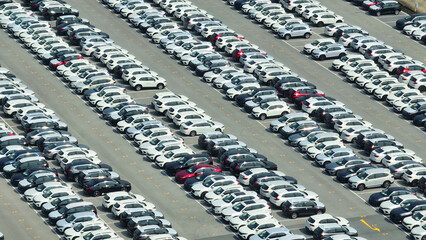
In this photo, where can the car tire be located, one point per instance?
(262, 117)
(203, 195)
(193, 133)
(422, 89)
(414, 183)
(307, 35)
(384, 97)
(138, 87)
(293, 216)
(386, 184)
(52, 18)
(320, 24)
(160, 86)
(321, 58)
(342, 55)
(218, 130)
(397, 12)
(424, 238)
(96, 193)
(326, 163)
(378, 13)
(361, 187)
(320, 212)
(270, 83)
(287, 36)
(124, 189)
(339, 21)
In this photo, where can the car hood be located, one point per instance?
(54, 214)
(181, 174)
(354, 179)
(198, 187)
(332, 166)
(9, 168)
(24, 183)
(63, 223)
(388, 204)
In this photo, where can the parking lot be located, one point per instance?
(190, 217)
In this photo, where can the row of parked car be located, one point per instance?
(374, 50)
(24, 161)
(157, 99)
(414, 26)
(404, 207)
(109, 181)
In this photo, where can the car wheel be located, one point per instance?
(414, 183)
(218, 130)
(397, 12)
(262, 117)
(378, 13)
(138, 87)
(52, 18)
(203, 195)
(386, 184)
(342, 55)
(96, 193)
(322, 58)
(320, 24)
(320, 212)
(293, 216)
(307, 35)
(424, 238)
(384, 97)
(160, 86)
(287, 36)
(422, 89)
(338, 21)
(361, 187)
(193, 133)
(123, 189)
(326, 163)
(270, 83)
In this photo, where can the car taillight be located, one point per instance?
(255, 183)
(309, 106)
(32, 137)
(347, 135)
(389, 64)
(415, 82)
(11, 134)
(62, 28)
(410, 176)
(186, 128)
(236, 168)
(69, 170)
(49, 151)
(371, 54)
(226, 160)
(90, 188)
(276, 198)
(405, 70)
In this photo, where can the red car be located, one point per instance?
(194, 171)
(410, 67)
(368, 4)
(296, 93)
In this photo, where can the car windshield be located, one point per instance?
(328, 153)
(238, 207)
(46, 193)
(155, 141)
(218, 191)
(55, 202)
(418, 216)
(169, 154)
(264, 106)
(245, 216)
(88, 236)
(253, 225)
(147, 133)
(208, 183)
(315, 43)
(194, 54)
(159, 147)
(78, 227)
(192, 169)
(407, 207)
(405, 100)
(238, 88)
(359, 70)
(396, 200)
(387, 87)
(362, 175)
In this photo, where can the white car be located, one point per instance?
(413, 175)
(171, 156)
(250, 206)
(196, 127)
(379, 154)
(397, 201)
(341, 125)
(147, 81)
(313, 222)
(111, 198)
(31, 193)
(246, 218)
(123, 125)
(257, 226)
(416, 220)
(50, 194)
(308, 48)
(183, 117)
(326, 18)
(82, 228)
(219, 204)
(124, 205)
(393, 158)
(279, 197)
(218, 193)
(270, 109)
(241, 89)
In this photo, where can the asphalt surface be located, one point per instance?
(190, 219)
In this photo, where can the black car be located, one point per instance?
(14, 180)
(322, 111)
(23, 165)
(330, 118)
(186, 162)
(69, 209)
(420, 120)
(85, 176)
(210, 65)
(243, 98)
(44, 125)
(48, 140)
(227, 161)
(134, 223)
(344, 175)
(191, 181)
(97, 187)
(372, 144)
(128, 215)
(398, 214)
(401, 23)
(70, 19)
(363, 137)
(415, 110)
(385, 7)
(239, 4)
(15, 155)
(284, 88)
(302, 207)
(36, 180)
(59, 203)
(376, 199)
(52, 13)
(203, 139)
(56, 53)
(242, 165)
